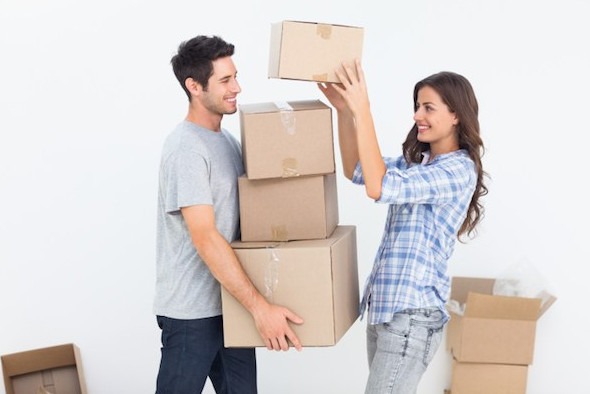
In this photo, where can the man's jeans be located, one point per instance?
(399, 351)
(193, 350)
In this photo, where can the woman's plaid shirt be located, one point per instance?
(428, 202)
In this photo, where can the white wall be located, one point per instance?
(87, 96)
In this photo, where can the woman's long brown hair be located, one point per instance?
(457, 93)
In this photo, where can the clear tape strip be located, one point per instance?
(287, 116)
(271, 275)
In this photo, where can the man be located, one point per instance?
(197, 219)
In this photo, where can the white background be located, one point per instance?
(87, 96)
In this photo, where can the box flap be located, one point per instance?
(38, 360)
(547, 299)
(502, 307)
(461, 286)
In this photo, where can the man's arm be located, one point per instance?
(271, 320)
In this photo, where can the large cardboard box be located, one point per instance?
(286, 209)
(286, 139)
(316, 279)
(492, 329)
(312, 51)
(476, 378)
(55, 370)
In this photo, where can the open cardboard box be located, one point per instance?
(54, 370)
(493, 329)
(316, 279)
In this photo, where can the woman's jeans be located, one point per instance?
(399, 351)
(193, 350)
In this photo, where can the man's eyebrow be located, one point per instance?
(227, 76)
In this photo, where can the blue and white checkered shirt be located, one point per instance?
(428, 202)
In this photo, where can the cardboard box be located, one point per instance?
(316, 279)
(493, 329)
(57, 370)
(286, 139)
(312, 51)
(475, 378)
(287, 209)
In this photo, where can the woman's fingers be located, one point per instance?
(359, 71)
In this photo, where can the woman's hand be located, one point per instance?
(333, 96)
(352, 88)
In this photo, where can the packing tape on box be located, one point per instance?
(47, 383)
(290, 167)
(287, 116)
(289, 126)
(324, 31)
(271, 274)
(320, 77)
(279, 233)
(43, 390)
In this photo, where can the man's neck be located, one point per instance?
(204, 119)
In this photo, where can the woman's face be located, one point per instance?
(436, 123)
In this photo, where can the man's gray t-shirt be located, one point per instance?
(198, 167)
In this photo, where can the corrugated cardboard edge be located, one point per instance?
(276, 32)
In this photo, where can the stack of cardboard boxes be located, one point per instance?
(292, 246)
(491, 337)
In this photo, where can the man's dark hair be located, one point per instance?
(195, 57)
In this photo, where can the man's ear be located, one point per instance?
(192, 86)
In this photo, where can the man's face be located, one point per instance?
(223, 88)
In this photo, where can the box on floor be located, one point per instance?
(491, 337)
(287, 139)
(312, 51)
(493, 328)
(56, 369)
(316, 279)
(477, 378)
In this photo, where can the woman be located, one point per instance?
(433, 193)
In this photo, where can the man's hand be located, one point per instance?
(272, 322)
